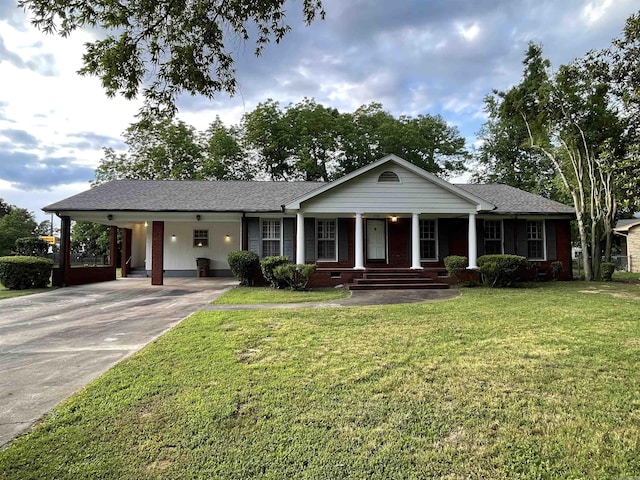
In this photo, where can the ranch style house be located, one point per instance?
(389, 216)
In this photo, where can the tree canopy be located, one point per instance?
(17, 223)
(164, 47)
(571, 132)
(302, 141)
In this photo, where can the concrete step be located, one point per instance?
(397, 286)
(392, 279)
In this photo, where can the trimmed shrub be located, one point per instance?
(268, 266)
(32, 246)
(243, 265)
(500, 270)
(556, 268)
(20, 272)
(296, 277)
(455, 264)
(606, 270)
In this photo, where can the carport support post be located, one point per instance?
(113, 246)
(125, 259)
(157, 253)
(65, 249)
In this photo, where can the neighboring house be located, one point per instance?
(629, 231)
(388, 215)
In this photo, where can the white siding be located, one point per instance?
(180, 254)
(366, 195)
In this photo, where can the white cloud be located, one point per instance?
(592, 12)
(468, 32)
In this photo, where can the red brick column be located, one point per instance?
(157, 253)
(64, 265)
(125, 262)
(113, 246)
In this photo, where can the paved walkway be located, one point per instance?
(53, 344)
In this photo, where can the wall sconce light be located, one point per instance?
(394, 219)
(227, 238)
(173, 237)
(198, 217)
(146, 224)
(109, 217)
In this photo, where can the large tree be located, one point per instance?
(165, 47)
(18, 223)
(570, 119)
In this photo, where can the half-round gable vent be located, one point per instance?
(389, 177)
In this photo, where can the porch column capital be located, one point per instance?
(359, 243)
(473, 242)
(415, 242)
(300, 253)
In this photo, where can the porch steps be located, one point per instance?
(138, 272)
(395, 280)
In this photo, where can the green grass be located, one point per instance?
(540, 382)
(260, 295)
(6, 293)
(626, 277)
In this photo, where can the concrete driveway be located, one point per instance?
(53, 344)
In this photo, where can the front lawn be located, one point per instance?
(6, 293)
(261, 295)
(540, 382)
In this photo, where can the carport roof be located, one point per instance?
(185, 196)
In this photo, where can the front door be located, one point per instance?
(376, 240)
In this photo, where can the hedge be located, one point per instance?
(243, 265)
(500, 270)
(20, 272)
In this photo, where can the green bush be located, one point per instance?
(500, 270)
(32, 246)
(455, 264)
(296, 277)
(20, 272)
(268, 266)
(606, 270)
(556, 268)
(243, 265)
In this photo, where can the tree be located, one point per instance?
(5, 208)
(166, 47)
(569, 118)
(313, 134)
(159, 149)
(224, 158)
(267, 136)
(90, 239)
(18, 223)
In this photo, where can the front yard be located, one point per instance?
(540, 382)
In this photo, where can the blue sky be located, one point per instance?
(413, 56)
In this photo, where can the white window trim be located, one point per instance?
(435, 220)
(262, 239)
(200, 238)
(335, 249)
(544, 241)
(501, 235)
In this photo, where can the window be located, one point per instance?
(201, 238)
(492, 237)
(535, 240)
(271, 230)
(326, 235)
(428, 240)
(386, 177)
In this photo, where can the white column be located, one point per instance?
(300, 256)
(359, 246)
(415, 242)
(473, 245)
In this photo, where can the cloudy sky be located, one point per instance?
(413, 56)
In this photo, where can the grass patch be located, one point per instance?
(6, 293)
(539, 382)
(260, 295)
(626, 277)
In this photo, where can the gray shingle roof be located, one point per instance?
(185, 196)
(239, 196)
(512, 200)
